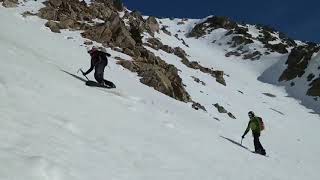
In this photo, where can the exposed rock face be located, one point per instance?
(9, 3)
(280, 48)
(198, 106)
(212, 24)
(197, 80)
(240, 40)
(71, 12)
(28, 13)
(118, 4)
(315, 88)
(178, 51)
(310, 77)
(152, 25)
(298, 61)
(158, 74)
(54, 26)
(114, 31)
(221, 109)
(253, 56)
(164, 29)
(155, 43)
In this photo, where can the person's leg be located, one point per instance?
(257, 145)
(98, 77)
(256, 142)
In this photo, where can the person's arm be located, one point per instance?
(247, 130)
(90, 69)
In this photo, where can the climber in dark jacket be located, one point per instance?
(99, 61)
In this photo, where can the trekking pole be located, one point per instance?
(83, 74)
(241, 140)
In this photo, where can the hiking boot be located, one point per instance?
(260, 151)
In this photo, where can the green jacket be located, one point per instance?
(254, 125)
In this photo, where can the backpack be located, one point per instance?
(261, 124)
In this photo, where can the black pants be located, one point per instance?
(100, 79)
(257, 145)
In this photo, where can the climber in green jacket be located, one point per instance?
(255, 127)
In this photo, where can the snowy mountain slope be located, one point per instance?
(54, 127)
(273, 50)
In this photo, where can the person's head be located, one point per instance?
(250, 114)
(92, 50)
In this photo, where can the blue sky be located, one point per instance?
(299, 19)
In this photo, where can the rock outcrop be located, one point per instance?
(9, 3)
(211, 24)
(178, 51)
(315, 88)
(298, 61)
(158, 74)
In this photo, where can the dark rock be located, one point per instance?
(198, 106)
(69, 24)
(48, 13)
(155, 43)
(298, 61)
(54, 26)
(164, 29)
(55, 3)
(167, 49)
(197, 80)
(88, 42)
(221, 109)
(280, 48)
(118, 5)
(212, 23)
(10, 3)
(267, 36)
(233, 53)
(219, 77)
(269, 95)
(315, 88)
(152, 25)
(310, 77)
(158, 74)
(114, 31)
(178, 51)
(240, 40)
(28, 13)
(292, 84)
(128, 52)
(253, 56)
(101, 33)
(136, 34)
(231, 115)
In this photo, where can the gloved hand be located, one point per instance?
(242, 136)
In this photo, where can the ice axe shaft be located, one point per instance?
(83, 74)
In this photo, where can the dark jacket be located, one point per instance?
(99, 61)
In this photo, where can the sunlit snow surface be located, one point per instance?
(53, 127)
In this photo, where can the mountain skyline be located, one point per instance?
(293, 18)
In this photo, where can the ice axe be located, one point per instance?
(83, 74)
